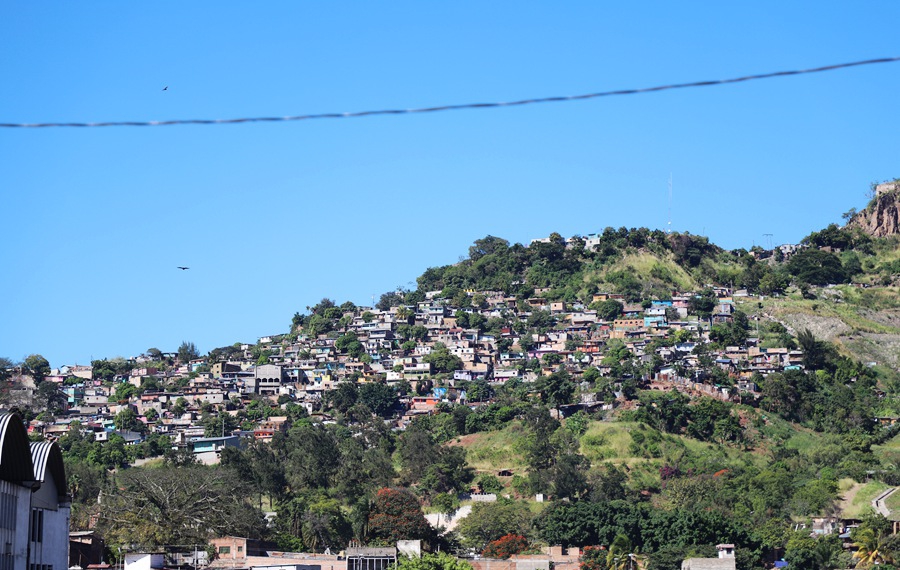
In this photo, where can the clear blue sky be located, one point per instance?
(273, 217)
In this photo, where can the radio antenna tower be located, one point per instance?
(669, 226)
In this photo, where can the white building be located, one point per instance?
(50, 509)
(34, 508)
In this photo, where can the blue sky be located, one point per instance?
(273, 217)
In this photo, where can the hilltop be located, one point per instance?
(652, 381)
(881, 217)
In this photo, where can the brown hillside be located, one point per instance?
(882, 217)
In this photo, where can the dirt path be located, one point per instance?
(849, 496)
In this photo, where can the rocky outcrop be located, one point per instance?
(882, 217)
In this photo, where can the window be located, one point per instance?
(37, 525)
(224, 550)
(240, 548)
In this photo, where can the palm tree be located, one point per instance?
(619, 557)
(871, 548)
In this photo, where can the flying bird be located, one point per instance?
(166, 88)
(182, 268)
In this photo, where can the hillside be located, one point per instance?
(802, 287)
(652, 385)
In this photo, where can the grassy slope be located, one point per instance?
(889, 451)
(638, 449)
(643, 264)
(650, 268)
(488, 452)
(641, 456)
(858, 496)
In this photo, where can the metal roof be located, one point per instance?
(15, 456)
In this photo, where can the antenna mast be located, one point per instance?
(669, 226)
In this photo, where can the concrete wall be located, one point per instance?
(18, 498)
(53, 548)
(708, 564)
(143, 561)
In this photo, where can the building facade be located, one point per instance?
(34, 506)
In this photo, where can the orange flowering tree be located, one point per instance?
(593, 558)
(506, 546)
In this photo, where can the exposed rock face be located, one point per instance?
(883, 217)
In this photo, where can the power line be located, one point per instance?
(454, 107)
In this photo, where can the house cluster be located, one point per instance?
(398, 346)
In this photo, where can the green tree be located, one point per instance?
(489, 483)
(479, 391)
(317, 325)
(445, 502)
(187, 352)
(215, 425)
(36, 366)
(349, 343)
(526, 342)
(442, 360)
(874, 543)
(490, 521)
(325, 526)
(703, 304)
(608, 310)
(816, 267)
(6, 367)
(607, 483)
(49, 397)
(815, 352)
(388, 300)
(430, 467)
(313, 456)
(428, 561)
(380, 398)
(127, 419)
(568, 476)
(179, 407)
(125, 391)
(343, 397)
(289, 524)
(556, 389)
(487, 245)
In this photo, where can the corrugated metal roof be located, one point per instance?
(47, 458)
(15, 456)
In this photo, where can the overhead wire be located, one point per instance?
(457, 107)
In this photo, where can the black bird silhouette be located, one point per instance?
(182, 268)
(166, 88)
